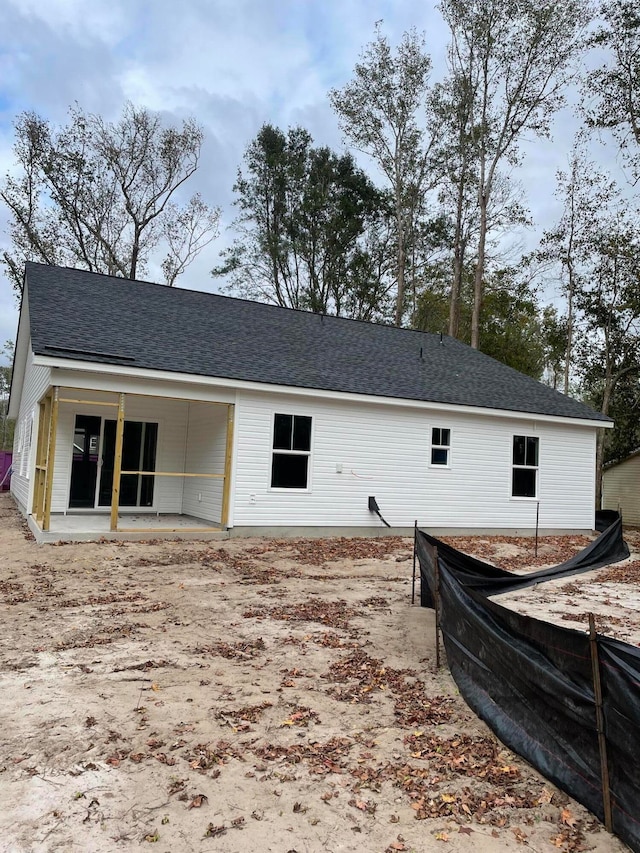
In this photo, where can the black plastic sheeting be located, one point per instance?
(532, 682)
(607, 548)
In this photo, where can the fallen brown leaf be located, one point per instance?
(213, 831)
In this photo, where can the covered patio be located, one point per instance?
(111, 463)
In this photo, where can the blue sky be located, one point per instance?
(233, 64)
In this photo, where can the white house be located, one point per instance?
(141, 406)
(621, 487)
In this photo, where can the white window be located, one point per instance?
(440, 446)
(18, 461)
(27, 443)
(524, 479)
(24, 446)
(291, 451)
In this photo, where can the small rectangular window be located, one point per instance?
(440, 445)
(524, 477)
(291, 452)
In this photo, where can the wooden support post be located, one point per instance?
(117, 464)
(51, 453)
(602, 739)
(174, 474)
(226, 489)
(436, 603)
(36, 475)
(88, 402)
(415, 543)
(44, 421)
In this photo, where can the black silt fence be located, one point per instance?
(532, 682)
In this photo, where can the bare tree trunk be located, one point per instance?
(454, 300)
(599, 466)
(458, 262)
(606, 401)
(567, 355)
(570, 270)
(478, 283)
(400, 260)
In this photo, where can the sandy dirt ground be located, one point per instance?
(250, 695)
(612, 594)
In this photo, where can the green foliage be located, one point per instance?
(382, 112)
(624, 408)
(594, 251)
(313, 229)
(513, 328)
(378, 110)
(567, 249)
(609, 304)
(625, 411)
(613, 90)
(510, 63)
(555, 336)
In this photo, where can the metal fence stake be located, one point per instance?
(415, 544)
(602, 740)
(436, 603)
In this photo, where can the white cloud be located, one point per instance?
(234, 64)
(76, 19)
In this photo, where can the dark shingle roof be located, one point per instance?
(81, 315)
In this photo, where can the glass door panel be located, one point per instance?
(139, 444)
(84, 462)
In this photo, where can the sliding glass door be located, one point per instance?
(84, 462)
(138, 454)
(92, 471)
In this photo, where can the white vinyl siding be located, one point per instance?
(621, 489)
(36, 383)
(367, 449)
(360, 448)
(206, 445)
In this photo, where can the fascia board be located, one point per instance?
(20, 357)
(263, 387)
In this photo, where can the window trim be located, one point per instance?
(273, 450)
(24, 430)
(447, 447)
(525, 467)
(29, 444)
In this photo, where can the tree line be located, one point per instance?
(420, 238)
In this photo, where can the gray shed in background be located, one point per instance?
(621, 487)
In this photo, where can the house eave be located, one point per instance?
(615, 462)
(188, 379)
(20, 357)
